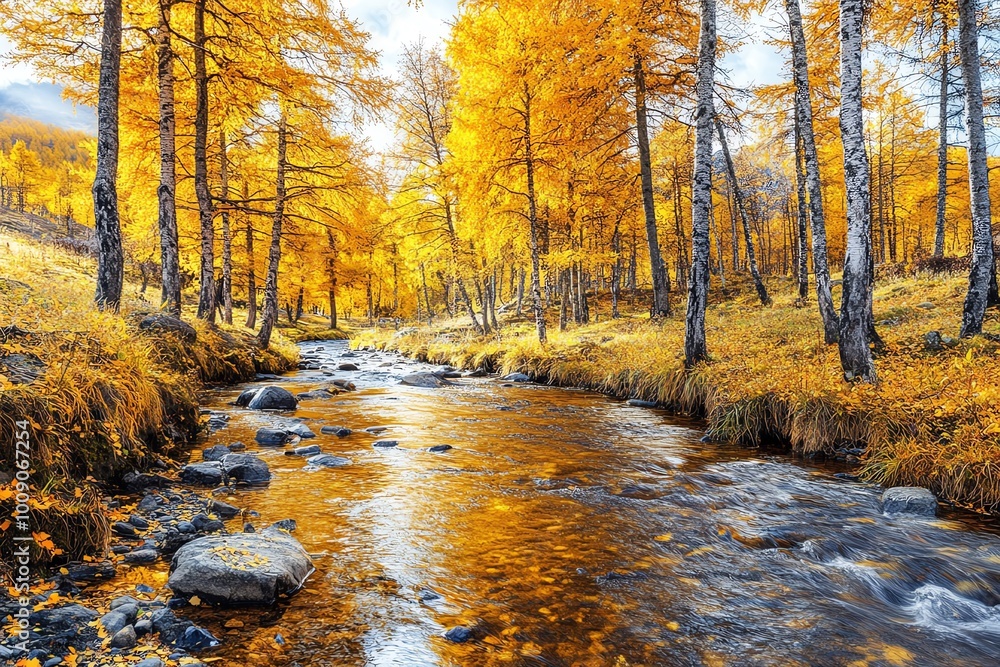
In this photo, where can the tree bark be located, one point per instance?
(660, 306)
(942, 156)
(166, 193)
(979, 185)
(855, 310)
(695, 348)
(738, 196)
(251, 269)
(270, 314)
(206, 300)
(803, 215)
(227, 239)
(331, 272)
(536, 265)
(803, 112)
(107, 225)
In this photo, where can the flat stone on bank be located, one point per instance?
(914, 500)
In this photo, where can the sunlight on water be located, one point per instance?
(565, 528)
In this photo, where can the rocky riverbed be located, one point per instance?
(372, 510)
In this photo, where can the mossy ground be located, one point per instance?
(109, 398)
(932, 420)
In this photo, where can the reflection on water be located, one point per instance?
(569, 529)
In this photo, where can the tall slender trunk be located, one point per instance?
(331, 275)
(803, 215)
(536, 265)
(660, 306)
(738, 196)
(520, 291)
(206, 298)
(855, 309)
(107, 225)
(459, 283)
(979, 185)
(942, 156)
(227, 238)
(270, 314)
(166, 193)
(616, 268)
(803, 112)
(695, 348)
(251, 269)
(427, 295)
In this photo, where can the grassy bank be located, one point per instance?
(102, 395)
(933, 419)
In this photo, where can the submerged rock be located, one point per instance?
(327, 461)
(426, 380)
(385, 444)
(639, 403)
(517, 377)
(439, 448)
(339, 431)
(247, 568)
(458, 634)
(315, 394)
(215, 453)
(913, 500)
(308, 450)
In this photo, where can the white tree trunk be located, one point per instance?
(206, 297)
(803, 112)
(110, 258)
(855, 309)
(695, 348)
(942, 158)
(166, 193)
(979, 184)
(269, 316)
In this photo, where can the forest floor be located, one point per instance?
(932, 420)
(105, 393)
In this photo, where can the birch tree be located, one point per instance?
(695, 348)
(979, 186)
(166, 192)
(110, 258)
(855, 311)
(804, 115)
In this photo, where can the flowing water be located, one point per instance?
(568, 528)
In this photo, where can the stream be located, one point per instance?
(568, 528)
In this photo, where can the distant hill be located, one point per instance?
(44, 102)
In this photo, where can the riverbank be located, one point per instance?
(105, 394)
(933, 420)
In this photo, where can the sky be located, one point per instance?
(392, 24)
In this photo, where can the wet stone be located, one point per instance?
(271, 437)
(385, 444)
(458, 634)
(516, 377)
(327, 461)
(439, 448)
(339, 431)
(913, 500)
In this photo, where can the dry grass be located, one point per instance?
(110, 398)
(933, 419)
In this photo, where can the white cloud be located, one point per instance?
(12, 72)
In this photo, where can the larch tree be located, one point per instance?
(695, 347)
(979, 185)
(855, 311)
(804, 118)
(110, 258)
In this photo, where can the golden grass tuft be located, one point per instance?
(932, 420)
(110, 398)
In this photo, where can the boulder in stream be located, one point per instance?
(246, 468)
(327, 461)
(913, 500)
(516, 377)
(271, 437)
(202, 474)
(241, 569)
(270, 397)
(426, 380)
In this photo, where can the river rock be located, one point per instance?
(159, 323)
(447, 372)
(271, 437)
(926, 305)
(64, 619)
(124, 529)
(215, 453)
(426, 380)
(246, 568)
(347, 367)
(141, 556)
(113, 621)
(315, 394)
(346, 385)
(638, 403)
(478, 373)
(339, 431)
(225, 510)
(124, 638)
(308, 450)
(439, 448)
(327, 461)
(376, 429)
(932, 341)
(149, 662)
(202, 474)
(458, 634)
(913, 500)
(385, 444)
(246, 468)
(273, 397)
(301, 430)
(516, 377)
